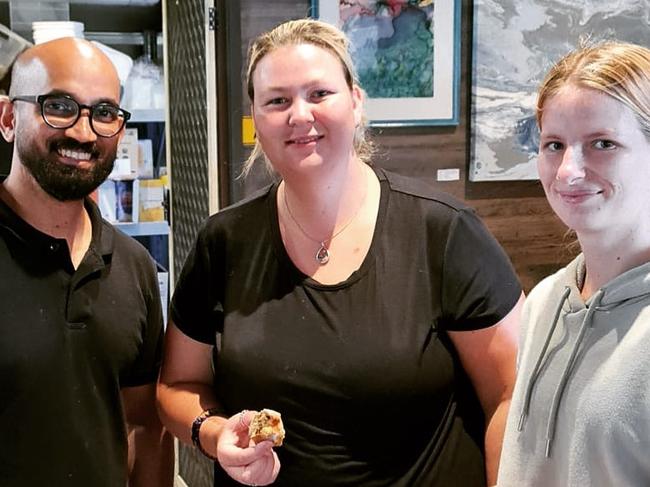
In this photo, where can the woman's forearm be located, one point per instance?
(180, 403)
(495, 429)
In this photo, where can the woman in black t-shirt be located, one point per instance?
(367, 308)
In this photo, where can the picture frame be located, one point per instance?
(410, 79)
(504, 136)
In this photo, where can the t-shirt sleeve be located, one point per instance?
(196, 307)
(480, 286)
(146, 367)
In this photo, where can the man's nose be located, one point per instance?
(82, 129)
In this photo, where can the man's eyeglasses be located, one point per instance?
(63, 111)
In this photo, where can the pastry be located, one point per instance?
(267, 425)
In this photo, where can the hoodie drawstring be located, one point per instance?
(557, 398)
(538, 366)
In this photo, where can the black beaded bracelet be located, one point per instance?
(196, 428)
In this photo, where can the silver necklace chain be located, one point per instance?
(322, 255)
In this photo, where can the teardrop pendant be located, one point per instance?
(322, 255)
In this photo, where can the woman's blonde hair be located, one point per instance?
(618, 69)
(320, 34)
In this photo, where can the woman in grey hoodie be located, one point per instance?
(580, 412)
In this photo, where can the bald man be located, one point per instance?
(81, 322)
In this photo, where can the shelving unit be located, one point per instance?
(146, 116)
(122, 38)
(126, 28)
(142, 229)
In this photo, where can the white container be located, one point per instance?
(40, 39)
(44, 31)
(58, 24)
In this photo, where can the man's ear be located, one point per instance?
(7, 119)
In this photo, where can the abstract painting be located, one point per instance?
(406, 55)
(515, 43)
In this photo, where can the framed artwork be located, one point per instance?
(407, 56)
(515, 43)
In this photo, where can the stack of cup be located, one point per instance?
(49, 30)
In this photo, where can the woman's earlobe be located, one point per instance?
(358, 97)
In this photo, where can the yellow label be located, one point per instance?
(247, 131)
(151, 195)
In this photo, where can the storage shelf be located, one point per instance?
(143, 228)
(150, 115)
(120, 38)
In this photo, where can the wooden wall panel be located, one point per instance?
(534, 238)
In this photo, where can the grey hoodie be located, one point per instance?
(580, 412)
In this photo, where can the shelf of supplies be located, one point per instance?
(120, 38)
(143, 228)
(148, 115)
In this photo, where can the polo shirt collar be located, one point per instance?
(102, 240)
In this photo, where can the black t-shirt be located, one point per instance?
(69, 340)
(363, 373)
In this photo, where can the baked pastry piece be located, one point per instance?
(267, 425)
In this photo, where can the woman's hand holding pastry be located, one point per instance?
(245, 461)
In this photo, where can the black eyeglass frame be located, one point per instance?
(40, 100)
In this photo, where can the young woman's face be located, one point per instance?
(594, 162)
(305, 114)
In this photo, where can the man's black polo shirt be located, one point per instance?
(69, 340)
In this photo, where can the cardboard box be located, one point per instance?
(128, 157)
(127, 208)
(145, 159)
(106, 200)
(151, 194)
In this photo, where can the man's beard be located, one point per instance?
(61, 181)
